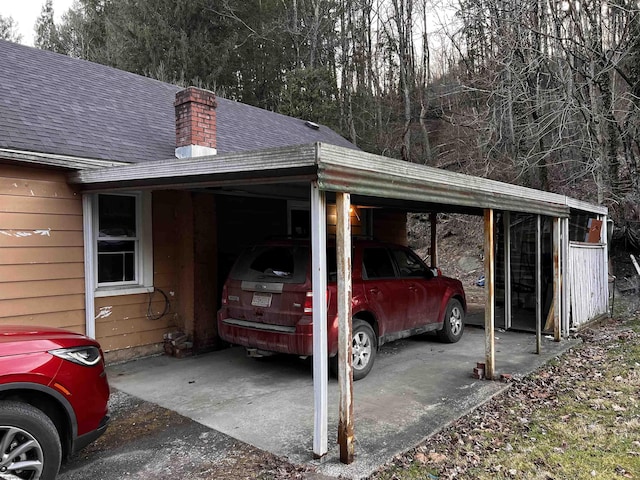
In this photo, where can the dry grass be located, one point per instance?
(577, 418)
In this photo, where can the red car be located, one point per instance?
(266, 300)
(53, 399)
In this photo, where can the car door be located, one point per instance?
(386, 294)
(424, 289)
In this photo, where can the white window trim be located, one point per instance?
(144, 267)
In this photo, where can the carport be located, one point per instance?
(325, 173)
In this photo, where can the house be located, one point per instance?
(148, 257)
(123, 201)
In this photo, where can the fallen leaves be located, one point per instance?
(520, 423)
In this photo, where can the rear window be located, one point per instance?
(275, 263)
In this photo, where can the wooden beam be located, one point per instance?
(506, 219)
(489, 288)
(345, 356)
(434, 239)
(320, 354)
(538, 285)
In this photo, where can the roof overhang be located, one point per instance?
(336, 169)
(51, 160)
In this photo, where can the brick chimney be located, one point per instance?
(195, 123)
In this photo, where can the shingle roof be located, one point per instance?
(56, 104)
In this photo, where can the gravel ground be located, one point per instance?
(146, 441)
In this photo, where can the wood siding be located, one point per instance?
(588, 287)
(390, 226)
(41, 249)
(123, 325)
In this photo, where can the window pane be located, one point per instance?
(286, 264)
(377, 263)
(117, 216)
(116, 261)
(409, 265)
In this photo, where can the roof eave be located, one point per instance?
(53, 160)
(263, 166)
(336, 169)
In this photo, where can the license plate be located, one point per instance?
(261, 299)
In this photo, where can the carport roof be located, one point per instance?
(380, 180)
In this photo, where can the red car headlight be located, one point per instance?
(87, 356)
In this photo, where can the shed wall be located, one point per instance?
(588, 287)
(41, 249)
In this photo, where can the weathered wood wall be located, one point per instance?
(390, 226)
(41, 249)
(588, 287)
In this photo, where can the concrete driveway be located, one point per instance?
(417, 386)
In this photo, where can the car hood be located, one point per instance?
(20, 339)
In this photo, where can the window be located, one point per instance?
(377, 263)
(409, 265)
(121, 241)
(118, 240)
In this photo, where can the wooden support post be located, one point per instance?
(506, 219)
(538, 285)
(434, 239)
(320, 354)
(345, 356)
(489, 288)
(557, 280)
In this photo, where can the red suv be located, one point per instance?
(267, 300)
(53, 399)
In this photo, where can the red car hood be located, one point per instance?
(20, 339)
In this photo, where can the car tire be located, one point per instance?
(364, 347)
(21, 424)
(453, 323)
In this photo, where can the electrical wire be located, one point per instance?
(167, 305)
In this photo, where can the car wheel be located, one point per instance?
(364, 346)
(29, 443)
(453, 325)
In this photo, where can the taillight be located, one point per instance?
(225, 296)
(308, 303)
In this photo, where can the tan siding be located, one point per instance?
(121, 321)
(36, 188)
(41, 288)
(57, 206)
(36, 305)
(34, 221)
(128, 326)
(41, 249)
(133, 340)
(44, 255)
(52, 238)
(40, 271)
(29, 173)
(70, 319)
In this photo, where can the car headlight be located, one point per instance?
(86, 356)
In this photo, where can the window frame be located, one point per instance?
(143, 261)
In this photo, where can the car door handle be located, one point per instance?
(413, 287)
(375, 291)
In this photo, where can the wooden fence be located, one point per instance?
(587, 282)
